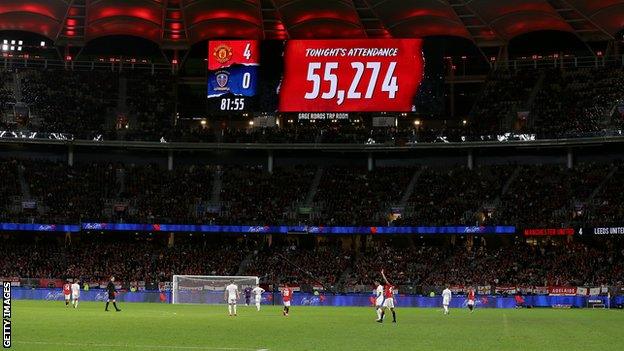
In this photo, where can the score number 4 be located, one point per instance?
(388, 85)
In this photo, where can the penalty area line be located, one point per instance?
(132, 346)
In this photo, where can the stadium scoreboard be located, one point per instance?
(232, 74)
(362, 75)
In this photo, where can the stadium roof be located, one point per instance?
(181, 23)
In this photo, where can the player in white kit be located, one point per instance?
(379, 299)
(231, 295)
(75, 291)
(446, 299)
(258, 291)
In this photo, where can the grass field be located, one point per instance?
(48, 325)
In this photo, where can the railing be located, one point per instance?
(115, 65)
(562, 62)
(462, 68)
(468, 66)
(180, 146)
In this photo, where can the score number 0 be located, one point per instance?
(388, 85)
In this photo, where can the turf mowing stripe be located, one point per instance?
(139, 346)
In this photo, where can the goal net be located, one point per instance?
(206, 289)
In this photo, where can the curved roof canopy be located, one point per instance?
(181, 23)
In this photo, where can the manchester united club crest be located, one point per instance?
(222, 53)
(222, 78)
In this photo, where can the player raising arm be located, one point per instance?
(258, 291)
(446, 299)
(75, 290)
(388, 298)
(231, 295)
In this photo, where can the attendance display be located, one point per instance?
(362, 75)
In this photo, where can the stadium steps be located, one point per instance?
(510, 181)
(602, 184)
(245, 263)
(314, 187)
(217, 186)
(410, 187)
(344, 276)
(497, 201)
(25, 187)
(122, 103)
(536, 89)
(120, 178)
(16, 87)
(509, 121)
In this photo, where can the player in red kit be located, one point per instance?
(67, 293)
(388, 299)
(471, 299)
(286, 297)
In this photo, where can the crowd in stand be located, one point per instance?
(605, 208)
(547, 195)
(564, 264)
(504, 91)
(328, 265)
(10, 187)
(68, 194)
(47, 191)
(455, 196)
(6, 95)
(354, 196)
(406, 266)
(322, 266)
(141, 105)
(253, 196)
(76, 102)
(575, 102)
(150, 100)
(96, 259)
(153, 195)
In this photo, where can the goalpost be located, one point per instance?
(206, 289)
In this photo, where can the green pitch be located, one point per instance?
(46, 325)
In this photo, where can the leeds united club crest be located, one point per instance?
(222, 78)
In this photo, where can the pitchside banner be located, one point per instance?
(562, 290)
(351, 75)
(30, 227)
(301, 229)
